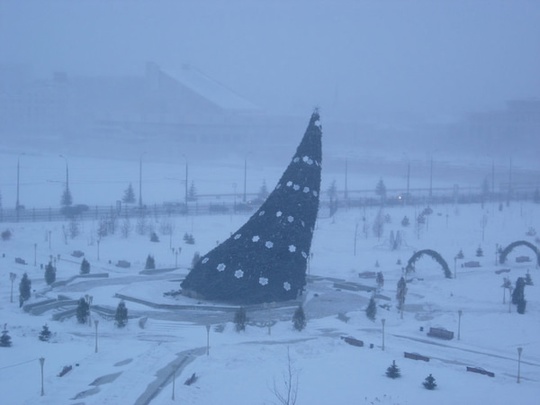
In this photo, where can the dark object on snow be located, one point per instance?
(471, 264)
(441, 333)
(191, 379)
(18, 260)
(266, 259)
(393, 371)
(430, 383)
(77, 253)
(352, 341)
(415, 356)
(65, 370)
(480, 370)
(123, 263)
(523, 259)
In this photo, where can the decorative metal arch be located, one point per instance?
(434, 255)
(504, 253)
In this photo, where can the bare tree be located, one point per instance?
(288, 393)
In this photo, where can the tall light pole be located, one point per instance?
(42, 362)
(187, 171)
(18, 203)
(460, 312)
(346, 194)
(89, 300)
(12, 277)
(35, 254)
(519, 350)
(207, 340)
(140, 180)
(67, 171)
(245, 179)
(430, 179)
(96, 322)
(383, 321)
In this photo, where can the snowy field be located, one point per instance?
(134, 365)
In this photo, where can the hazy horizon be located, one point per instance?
(431, 59)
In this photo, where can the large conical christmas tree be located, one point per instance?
(266, 259)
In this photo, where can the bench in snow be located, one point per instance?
(441, 333)
(415, 356)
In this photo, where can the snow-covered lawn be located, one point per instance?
(248, 367)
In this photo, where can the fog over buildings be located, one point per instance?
(445, 75)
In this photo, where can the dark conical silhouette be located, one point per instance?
(266, 259)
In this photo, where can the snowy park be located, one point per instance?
(168, 338)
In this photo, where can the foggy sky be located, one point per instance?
(351, 58)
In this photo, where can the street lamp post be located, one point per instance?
(96, 322)
(140, 180)
(12, 277)
(383, 321)
(207, 340)
(519, 350)
(42, 362)
(173, 382)
(460, 312)
(35, 254)
(455, 267)
(98, 242)
(245, 179)
(89, 300)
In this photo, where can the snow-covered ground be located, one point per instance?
(249, 367)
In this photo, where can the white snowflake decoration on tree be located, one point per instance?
(292, 248)
(239, 273)
(269, 244)
(205, 260)
(263, 281)
(287, 286)
(255, 238)
(221, 267)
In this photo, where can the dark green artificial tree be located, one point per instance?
(299, 319)
(266, 259)
(121, 316)
(240, 319)
(50, 273)
(83, 310)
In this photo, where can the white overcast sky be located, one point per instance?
(348, 57)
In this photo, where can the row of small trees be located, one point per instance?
(394, 372)
(298, 319)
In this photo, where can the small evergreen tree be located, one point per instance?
(378, 224)
(196, 258)
(121, 316)
(380, 190)
(83, 310)
(25, 286)
(192, 194)
(45, 334)
(150, 263)
(460, 255)
(405, 222)
(129, 195)
(518, 295)
(479, 252)
(401, 294)
(263, 191)
(393, 371)
(50, 273)
(371, 310)
(66, 199)
(299, 319)
(240, 319)
(154, 237)
(430, 383)
(5, 339)
(85, 266)
(528, 279)
(380, 280)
